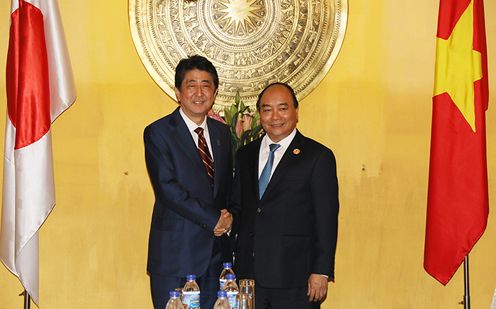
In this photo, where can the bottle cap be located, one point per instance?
(190, 277)
(230, 277)
(174, 294)
(227, 265)
(222, 294)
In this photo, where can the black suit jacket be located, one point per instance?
(291, 232)
(186, 207)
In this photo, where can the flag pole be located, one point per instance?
(27, 299)
(466, 297)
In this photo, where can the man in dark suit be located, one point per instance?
(285, 205)
(188, 160)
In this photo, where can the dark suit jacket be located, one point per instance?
(291, 232)
(186, 207)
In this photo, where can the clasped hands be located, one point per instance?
(224, 224)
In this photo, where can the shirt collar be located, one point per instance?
(191, 124)
(266, 141)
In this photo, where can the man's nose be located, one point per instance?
(275, 115)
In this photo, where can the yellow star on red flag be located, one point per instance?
(458, 65)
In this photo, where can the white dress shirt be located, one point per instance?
(265, 150)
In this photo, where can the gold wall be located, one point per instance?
(373, 109)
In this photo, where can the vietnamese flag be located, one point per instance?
(40, 87)
(457, 206)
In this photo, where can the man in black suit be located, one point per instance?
(188, 157)
(285, 205)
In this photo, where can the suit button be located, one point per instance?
(259, 210)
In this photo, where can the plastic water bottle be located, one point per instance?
(222, 302)
(232, 290)
(191, 292)
(227, 270)
(174, 301)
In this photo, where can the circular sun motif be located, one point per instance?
(252, 43)
(239, 17)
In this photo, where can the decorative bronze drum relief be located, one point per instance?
(251, 42)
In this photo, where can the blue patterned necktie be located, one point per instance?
(263, 182)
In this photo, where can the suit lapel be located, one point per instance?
(184, 139)
(254, 164)
(286, 161)
(216, 145)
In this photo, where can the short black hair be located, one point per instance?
(194, 62)
(293, 94)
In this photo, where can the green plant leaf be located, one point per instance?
(227, 115)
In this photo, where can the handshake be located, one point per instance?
(224, 224)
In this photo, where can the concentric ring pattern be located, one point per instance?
(251, 42)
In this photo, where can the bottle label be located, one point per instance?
(231, 297)
(222, 283)
(191, 299)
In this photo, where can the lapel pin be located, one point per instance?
(296, 151)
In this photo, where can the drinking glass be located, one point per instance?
(243, 301)
(247, 286)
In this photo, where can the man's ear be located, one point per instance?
(178, 95)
